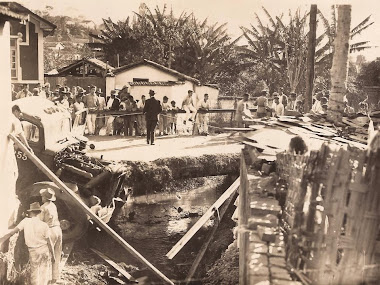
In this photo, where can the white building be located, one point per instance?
(143, 76)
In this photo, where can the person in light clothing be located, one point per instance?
(279, 109)
(37, 239)
(203, 116)
(163, 124)
(141, 123)
(242, 111)
(100, 121)
(91, 102)
(49, 215)
(188, 107)
(113, 104)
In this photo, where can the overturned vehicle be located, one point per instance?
(62, 148)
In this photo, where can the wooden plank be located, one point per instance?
(115, 265)
(66, 249)
(243, 213)
(209, 213)
(205, 245)
(78, 202)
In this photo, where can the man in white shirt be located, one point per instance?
(141, 123)
(37, 239)
(317, 106)
(163, 125)
(24, 92)
(100, 121)
(113, 104)
(188, 106)
(203, 106)
(278, 107)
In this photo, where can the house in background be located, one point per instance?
(26, 43)
(83, 72)
(143, 76)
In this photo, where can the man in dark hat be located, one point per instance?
(151, 110)
(37, 239)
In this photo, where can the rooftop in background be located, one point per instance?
(18, 9)
(93, 61)
(156, 65)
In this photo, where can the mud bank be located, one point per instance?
(156, 176)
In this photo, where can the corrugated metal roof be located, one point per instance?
(94, 61)
(156, 83)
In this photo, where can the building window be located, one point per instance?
(14, 62)
(140, 80)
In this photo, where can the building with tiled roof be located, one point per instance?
(142, 76)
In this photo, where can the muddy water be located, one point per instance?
(153, 224)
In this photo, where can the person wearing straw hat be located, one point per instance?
(37, 239)
(49, 215)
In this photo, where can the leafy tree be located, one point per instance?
(370, 74)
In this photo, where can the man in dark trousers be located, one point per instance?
(151, 110)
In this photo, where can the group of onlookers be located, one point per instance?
(78, 100)
(279, 104)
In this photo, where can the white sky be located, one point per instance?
(235, 13)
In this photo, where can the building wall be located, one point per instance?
(30, 52)
(213, 94)
(8, 184)
(161, 91)
(143, 71)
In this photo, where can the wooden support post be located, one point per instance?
(210, 212)
(243, 233)
(311, 57)
(78, 202)
(205, 245)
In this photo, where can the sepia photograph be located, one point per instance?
(208, 142)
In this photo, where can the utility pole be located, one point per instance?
(311, 57)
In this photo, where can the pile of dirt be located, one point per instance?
(225, 271)
(151, 177)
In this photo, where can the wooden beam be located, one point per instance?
(78, 202)
(205, 245)
(115, 265)
(210, 212)
(311, 57)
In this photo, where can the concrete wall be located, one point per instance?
(213, 94)
(142, 71)
(7, 168)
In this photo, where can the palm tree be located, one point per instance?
(340, 63)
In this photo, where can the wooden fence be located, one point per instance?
(332, 214)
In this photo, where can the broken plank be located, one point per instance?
(115, 265)
(209, 213)
(205, 245)
(66, 249)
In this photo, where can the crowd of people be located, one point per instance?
(86, 106)
(279, 104)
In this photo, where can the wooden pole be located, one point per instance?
(205, 245)
(78, 202)
(243, 212)
(311, 57)
(210, 212)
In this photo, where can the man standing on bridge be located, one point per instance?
(151, 110)
(203, 116)
(242, 111)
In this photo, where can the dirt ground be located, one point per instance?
(135, 148)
